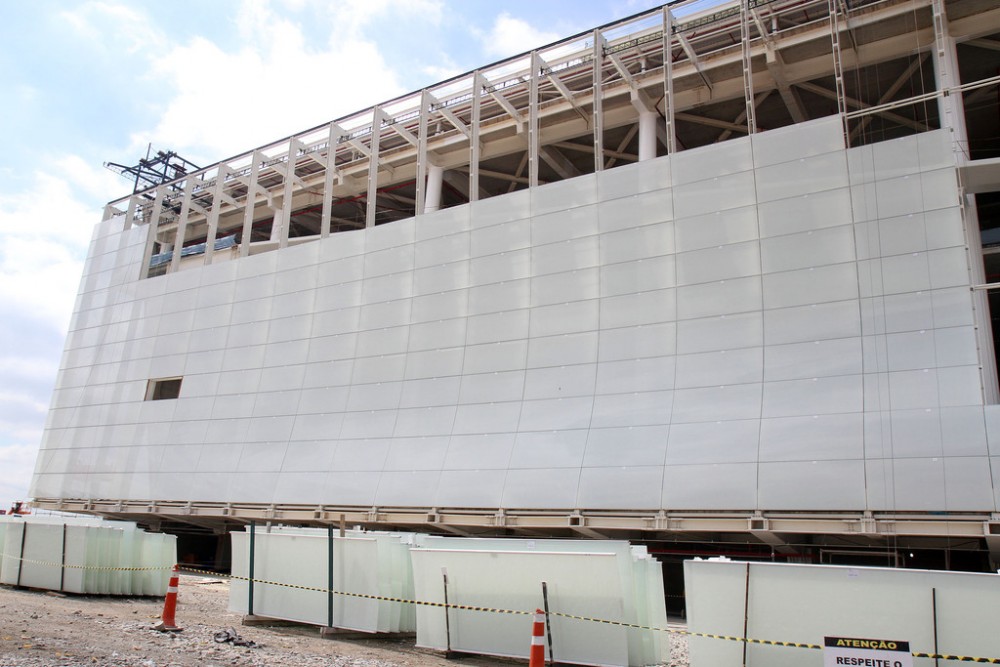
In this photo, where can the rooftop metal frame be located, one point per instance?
(571, 108)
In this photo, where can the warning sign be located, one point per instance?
(858, 652)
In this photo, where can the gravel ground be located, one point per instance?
(39, 629)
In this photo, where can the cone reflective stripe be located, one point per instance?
(537, 655)
(167, 622)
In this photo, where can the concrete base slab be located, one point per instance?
(253, 619)
(346, 633)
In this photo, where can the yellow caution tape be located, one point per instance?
(677, 631)
(496, 610)
(957, 658)
(90, 567)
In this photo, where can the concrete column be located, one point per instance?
(435, 179)
(647, 135)
(276, 225)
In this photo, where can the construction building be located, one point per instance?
(716, 281)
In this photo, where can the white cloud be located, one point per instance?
(511, 36)
(26, 94)
(92, 181)
(275, 85)
(114, 28)
(22, 414)
(45, 232)
(349, 18)
(444, 68)
(17, 463)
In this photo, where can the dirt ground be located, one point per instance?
(46, 629)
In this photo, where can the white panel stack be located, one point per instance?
(362, 563)
(596, 579)
(85, 555)
(607, 580)
(805, 603)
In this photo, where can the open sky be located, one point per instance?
(87, 82)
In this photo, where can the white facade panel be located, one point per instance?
(716, 329)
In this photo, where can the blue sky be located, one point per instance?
(84, 83)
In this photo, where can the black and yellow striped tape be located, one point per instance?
(677, 631)
(363, 596)
(956, 658)
(496, 610)
(68, 566)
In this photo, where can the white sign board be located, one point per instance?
(858, 652)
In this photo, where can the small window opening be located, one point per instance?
(164, 388)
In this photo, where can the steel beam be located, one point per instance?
(474, 145)
(830, 94)
(373, 165)
(597, 105)
(533, 141)
(330, 174)
(248, 212)
(693, 59)
(586, 148)
(776, 66)
(559, 163)
(182, 222)
(563, 90)
(284, 219)
(888, 94)
(422, 157)
(152, 227)
(983, 43)
(668, 80)
(629, 136)
(504, 103)
(748, 96)
(213, 215)
(859, 524)
(456, 122)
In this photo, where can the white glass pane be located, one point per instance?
(823, 395)
(719, 228)
(809, 286)
(719, 298)
(833, 245)
(563, 225)
(712, 160)
(824, 135)
(802, 176)
(713, 442)
(717, 193)
(712, 486)
(719, 263)
(720, 368)
(816, 437)
(819, 358)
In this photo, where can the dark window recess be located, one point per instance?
(162, 389)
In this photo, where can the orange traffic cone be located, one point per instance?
(167, 623)
(537, 656)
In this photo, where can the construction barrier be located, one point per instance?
(805, 605)
(91, 555)
(494, 610)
